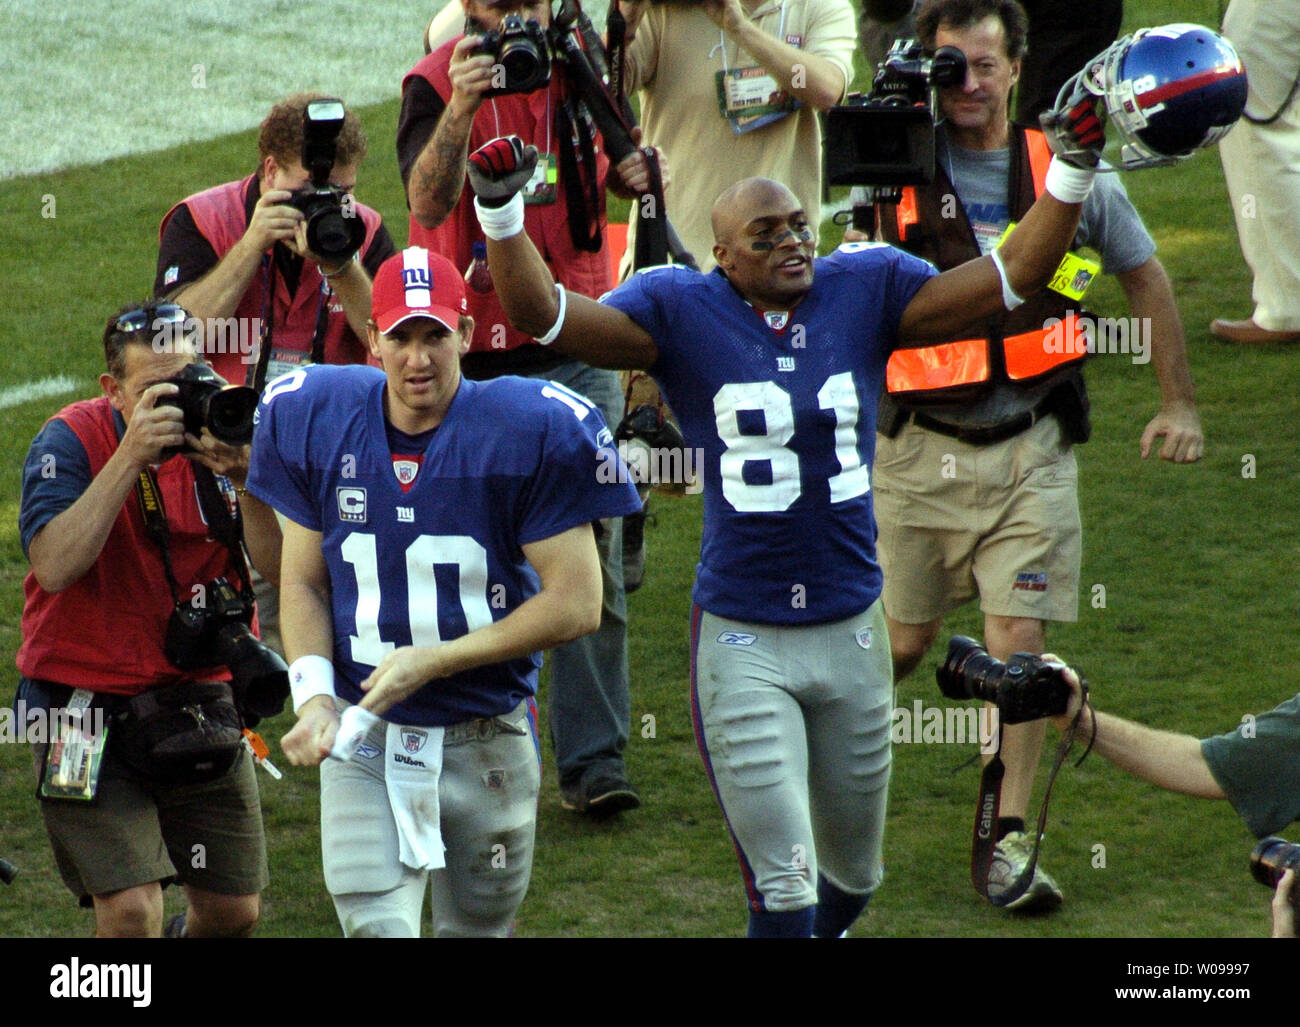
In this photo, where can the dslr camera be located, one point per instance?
(886, 138)
(334, 232)
(216, 634)
(1272, 858)
(206, 401)
(520, 52)
(1024, 688)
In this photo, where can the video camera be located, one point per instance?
(334, 232)
(886, 138)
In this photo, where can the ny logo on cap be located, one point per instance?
(416, 278)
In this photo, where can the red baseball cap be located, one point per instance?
(417, 283)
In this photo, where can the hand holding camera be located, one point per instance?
(156, 429)
(274, 220)
(1285, 899)
(1026, 687)
(500, 168)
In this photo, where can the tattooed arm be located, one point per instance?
(435, 181)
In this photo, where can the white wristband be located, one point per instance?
(550, 336)
(501, 222)
(1068, 183)
(310, 676)
(1009, 298)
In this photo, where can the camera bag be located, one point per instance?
(185, 733)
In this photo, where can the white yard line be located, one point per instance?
(17, 395)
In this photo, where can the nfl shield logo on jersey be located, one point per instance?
(864, 637)
(412, 740)
(405, 471)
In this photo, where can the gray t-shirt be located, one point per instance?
(1258, 767)
(1109, 225)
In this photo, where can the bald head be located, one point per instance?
(763, 243)
(739, 203)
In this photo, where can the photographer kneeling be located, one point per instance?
(131, 573)
(1255, 766)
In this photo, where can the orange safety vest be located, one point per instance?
(1018, 347)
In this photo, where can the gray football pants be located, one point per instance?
(794, 727)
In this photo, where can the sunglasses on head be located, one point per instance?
(139, 320)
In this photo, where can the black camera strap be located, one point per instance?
(225, 527)
(985, 837)
(257, 374)
(578, 174)
(149, 496)
(257, 379)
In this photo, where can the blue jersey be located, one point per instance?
(784, 418)
(426, 548)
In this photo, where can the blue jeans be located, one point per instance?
(590, 704)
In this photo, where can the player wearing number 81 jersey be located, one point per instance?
(439, 537)
(773, 364)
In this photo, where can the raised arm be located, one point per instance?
(438, 175)
(597, 334)
(975, 291)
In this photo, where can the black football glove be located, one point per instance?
(500, 168)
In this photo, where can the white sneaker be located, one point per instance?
(1010, 857)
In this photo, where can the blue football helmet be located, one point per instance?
(1168, 92)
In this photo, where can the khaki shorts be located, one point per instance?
(135, 831)
(1000, 521)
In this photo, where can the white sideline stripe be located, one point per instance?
(17, 395)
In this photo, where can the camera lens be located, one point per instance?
(1272, 858)
(229, 414)
(332, 235)
(520, 60)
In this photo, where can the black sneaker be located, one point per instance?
(600, 796)
(634, 548)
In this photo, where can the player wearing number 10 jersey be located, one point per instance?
(439, 537)
(775, 374)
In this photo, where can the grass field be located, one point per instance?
(1197, 563)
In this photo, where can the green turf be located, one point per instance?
(1195, 561)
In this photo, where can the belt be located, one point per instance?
(986, 436)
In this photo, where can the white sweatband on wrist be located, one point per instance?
(501, 222)
(1068, 183)
(1009, 298)
(310, 676)
(550, 336)
(353, 726)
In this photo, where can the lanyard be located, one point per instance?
(722, 41)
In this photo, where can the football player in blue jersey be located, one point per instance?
(439, 537)
(773, 364)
